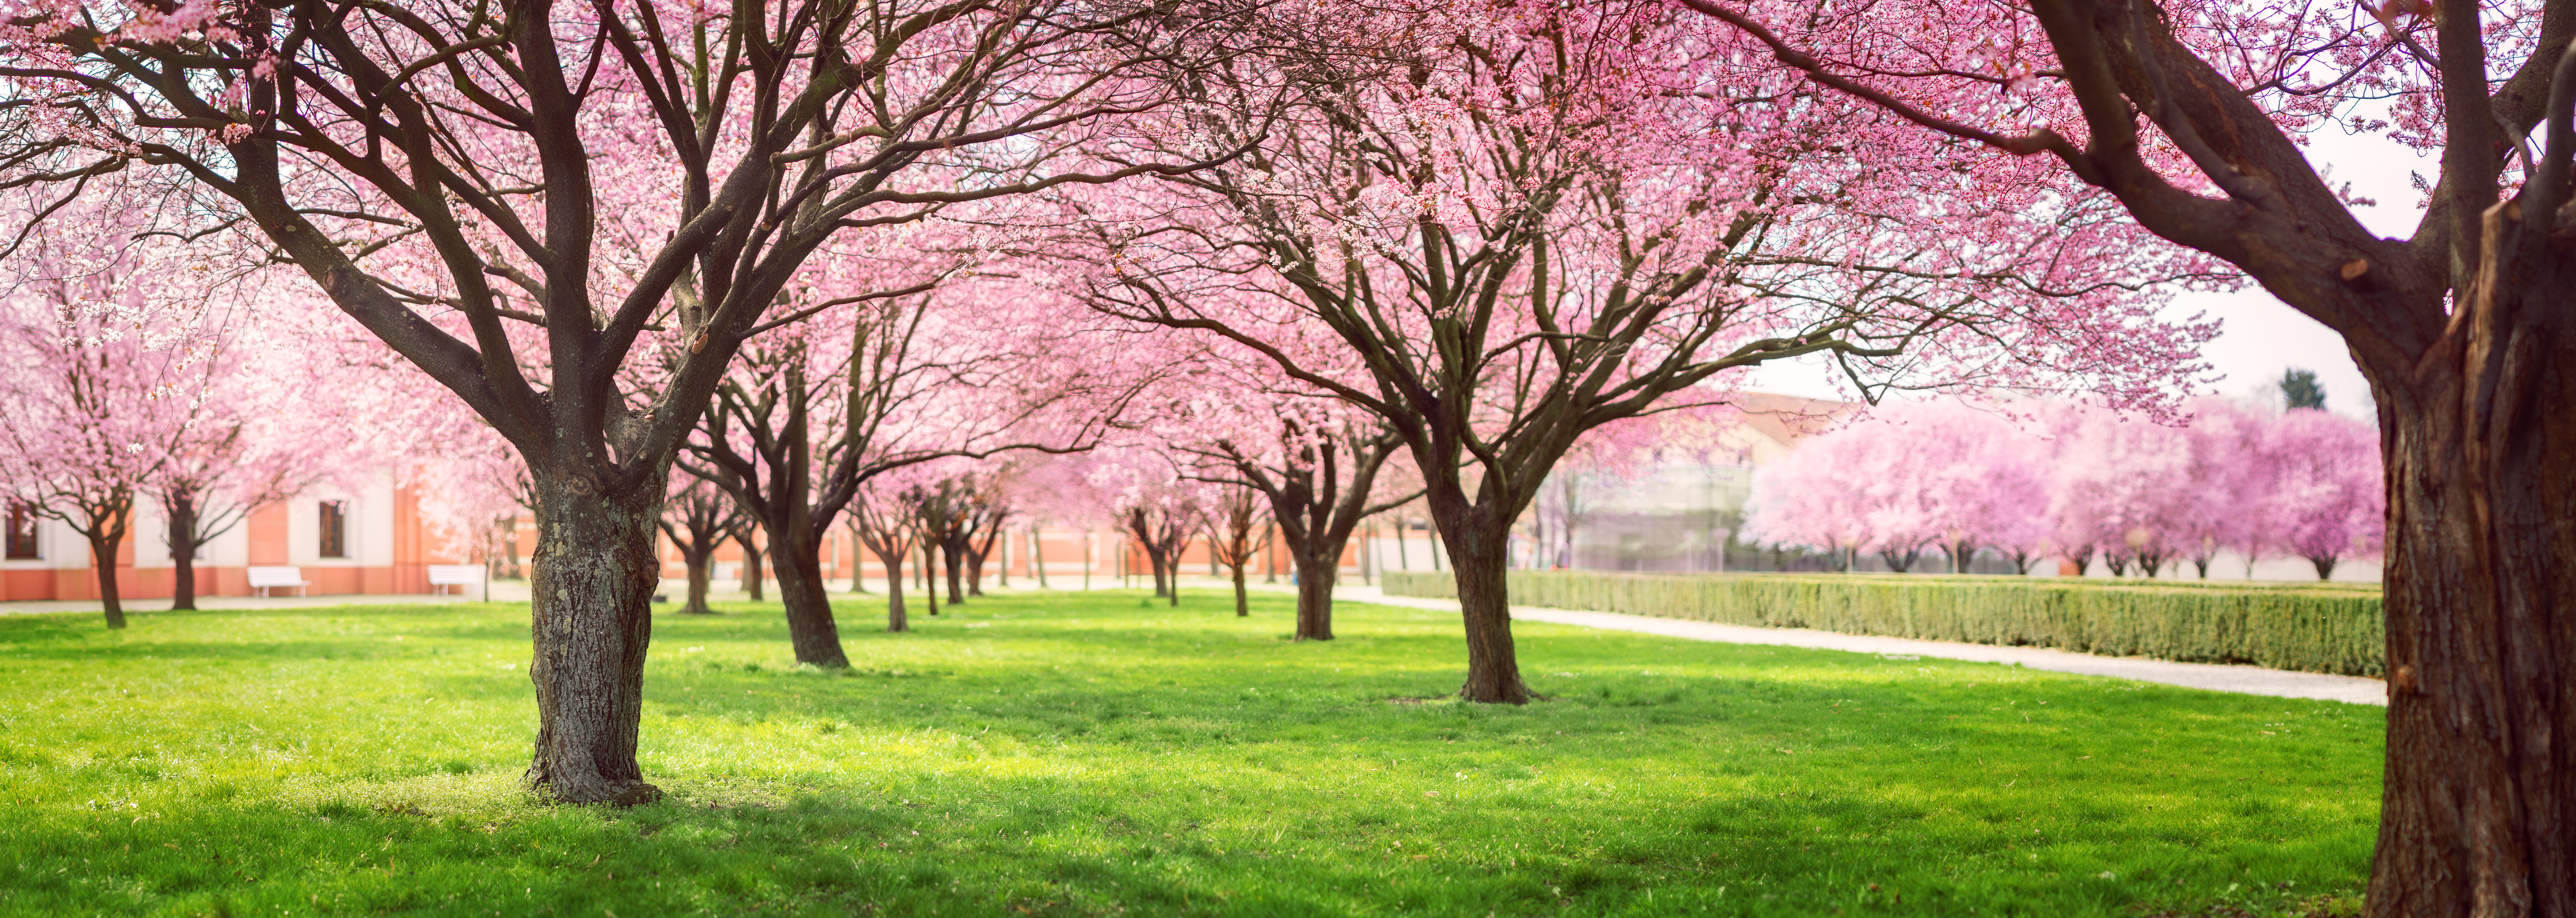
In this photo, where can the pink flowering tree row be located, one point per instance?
(2082, 484)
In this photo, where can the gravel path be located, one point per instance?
(2249, 680)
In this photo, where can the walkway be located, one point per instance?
(2249, 680)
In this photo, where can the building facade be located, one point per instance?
(365, 539)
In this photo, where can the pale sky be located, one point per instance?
(2262, 336)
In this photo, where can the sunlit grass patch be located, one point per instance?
(1079, 754)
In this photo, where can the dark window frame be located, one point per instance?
(332, 541)
(21, 535)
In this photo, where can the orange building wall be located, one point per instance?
(266, 531)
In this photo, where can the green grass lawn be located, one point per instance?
(1090, 754)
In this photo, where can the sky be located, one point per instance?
(2260, 336)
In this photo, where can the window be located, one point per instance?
(335, 529)
(22, 532)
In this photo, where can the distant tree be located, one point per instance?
(1235, 533)
(698, 518)
(2300, 389)
(2328, 498)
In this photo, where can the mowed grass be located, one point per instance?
(1094, 754)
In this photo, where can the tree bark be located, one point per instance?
(696, 562)
(1478, 559)
(2478, 811)
(810, 626)
(182, 508)
(1315, 594)
(591, 616)
(751, 560)
(102, 553)
(895, 620)
(1242, 603)
(952, 556)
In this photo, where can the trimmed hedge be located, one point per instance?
(2327, 628)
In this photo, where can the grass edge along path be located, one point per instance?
(1091, 754)
(2310, 627)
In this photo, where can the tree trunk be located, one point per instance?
(1037, 557)
(929, 564)
(895, 620)
(2325, 565)
(1478, 561)
(1242, 603)
(102, 553)
(858, 565)
(2478, 807)
(696, 562)
(182, 508)
(953, 558)
(591, 610)
(751, 558)
(810, 628)
(1315, 594)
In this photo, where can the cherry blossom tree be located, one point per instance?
(882, 517)
(1321, 467)
(698, 518)
(87, 427)
(2328, 498)
(1519, 229)
(2191, 119)
(116, 372)
(1235, 534)
(448, 173)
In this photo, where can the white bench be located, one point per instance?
(459, 576)
(263, 579)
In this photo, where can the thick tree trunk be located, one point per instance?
(2325, 565)
(696, 562)
(798, 558)
(1315, 594)
(102, 553)
(591, 617)
(1242, 603)
(2478, 810)
(1479, 561)
(183, 551)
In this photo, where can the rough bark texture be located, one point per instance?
(590, 613)
(1478, 560)
(2478, 812)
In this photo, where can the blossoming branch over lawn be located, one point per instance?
(1082, 754)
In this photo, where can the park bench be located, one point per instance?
(459, 576)
(263, 579)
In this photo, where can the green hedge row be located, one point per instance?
(2317, 628)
